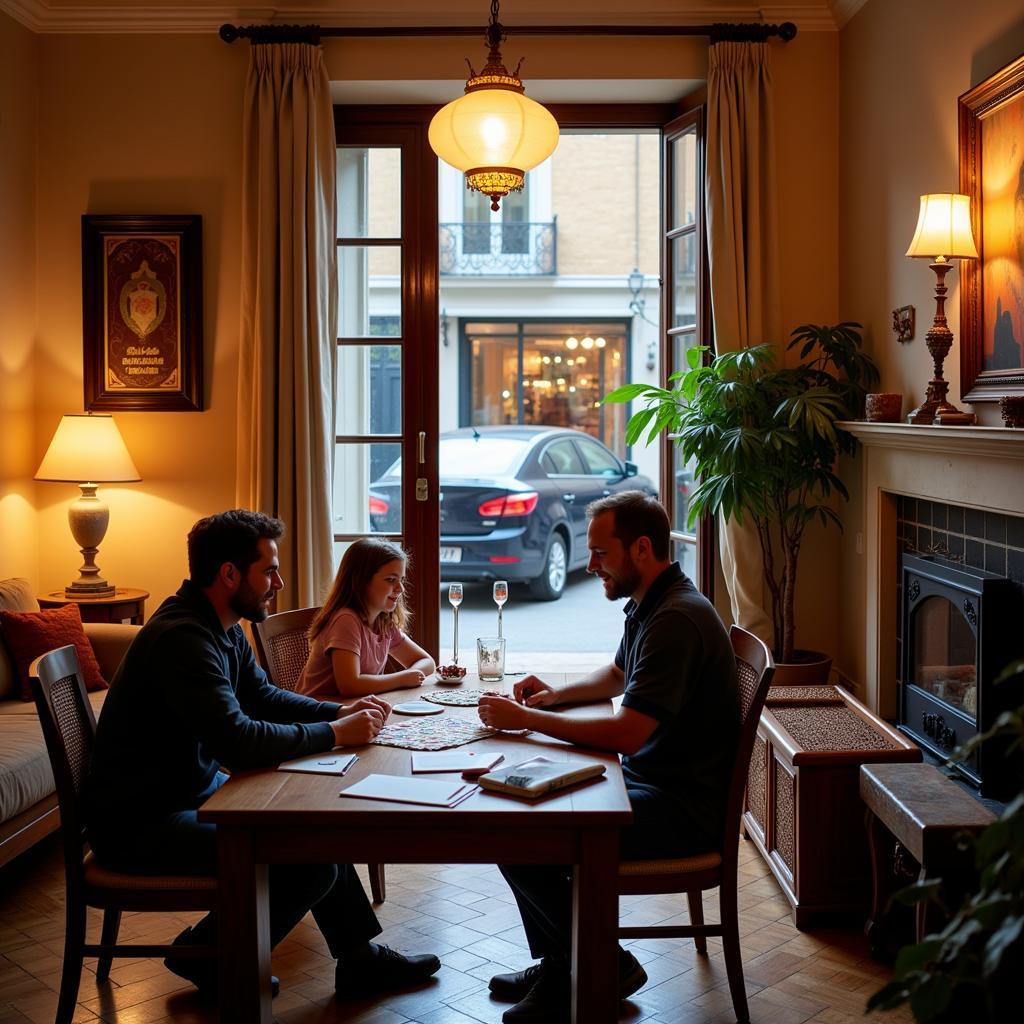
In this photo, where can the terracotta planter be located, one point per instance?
(883, 407)
(811, 668)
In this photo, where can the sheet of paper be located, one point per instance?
(333, 762)
(456, 761)
(404, 790)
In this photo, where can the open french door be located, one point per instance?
(385, 475)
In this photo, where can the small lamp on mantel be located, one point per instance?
(943, 234)
(88, 448)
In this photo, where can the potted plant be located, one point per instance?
(764, 442)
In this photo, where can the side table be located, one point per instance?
(126, 604)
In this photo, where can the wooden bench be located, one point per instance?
(925, 813)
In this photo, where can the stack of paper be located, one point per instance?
(404, 790)
(333, 762)
(460, 760)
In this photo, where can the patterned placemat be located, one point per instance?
(432, 733)
(456, 698)
(792, 695)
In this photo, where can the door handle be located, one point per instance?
(422, 447)
(569, 497)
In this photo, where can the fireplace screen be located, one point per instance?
(944, 653)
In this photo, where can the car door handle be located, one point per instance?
(568, 497)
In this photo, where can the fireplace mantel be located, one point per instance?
(976, 467)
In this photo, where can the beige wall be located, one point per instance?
(19, 67)
(147, 124)
(903, 66)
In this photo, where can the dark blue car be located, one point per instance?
(513, 502)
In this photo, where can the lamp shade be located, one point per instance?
(87, 448)
(944, 228)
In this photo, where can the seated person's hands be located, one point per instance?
(500, 712)
(356, 728)
(369, 703)
(409, 677)
(534, 692)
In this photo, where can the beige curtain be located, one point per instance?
(743, 259)
(289, 310)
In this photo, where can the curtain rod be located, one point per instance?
(720, 32)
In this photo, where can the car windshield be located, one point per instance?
(470, 457)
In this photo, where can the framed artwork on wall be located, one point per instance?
(142, 312)
(991, 131)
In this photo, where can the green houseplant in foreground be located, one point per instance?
(764, 442)
(972, 969)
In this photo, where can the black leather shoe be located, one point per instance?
(202, 972)
(510, 988)
(383, 971)
(549, 1001)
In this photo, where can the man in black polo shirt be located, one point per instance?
(189, 698)
(677, 731)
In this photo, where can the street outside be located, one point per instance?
(576, 633)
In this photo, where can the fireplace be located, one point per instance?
(960, 627)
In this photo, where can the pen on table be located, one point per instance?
(352, 761)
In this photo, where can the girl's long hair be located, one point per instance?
(360, 564)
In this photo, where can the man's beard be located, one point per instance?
(625, 585)
(246, 605)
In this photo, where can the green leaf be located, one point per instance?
(626, 393)
(915, 958)
(1005, 936)
(931, 998)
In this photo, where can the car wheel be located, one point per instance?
(550, 584)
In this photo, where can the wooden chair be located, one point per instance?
(693, 875)
(282, 647)
(70, 731)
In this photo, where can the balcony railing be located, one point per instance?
(528, 249)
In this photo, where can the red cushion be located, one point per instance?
(30, 634)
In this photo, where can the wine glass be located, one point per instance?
(455, 599)
(500, 594)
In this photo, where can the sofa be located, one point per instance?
(28, 800)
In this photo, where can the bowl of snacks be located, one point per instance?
(451, 673)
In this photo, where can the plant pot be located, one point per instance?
(811, 668)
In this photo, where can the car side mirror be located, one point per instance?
(631, 469)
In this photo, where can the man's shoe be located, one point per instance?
(202, 972)
(510, 988)
(383, 971)
(549, 1001)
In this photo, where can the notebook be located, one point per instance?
(332, 762)
(402, 789)
(459, 760)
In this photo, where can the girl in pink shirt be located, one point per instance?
(360, 625)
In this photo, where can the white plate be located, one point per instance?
(417, 707)
(451, 554)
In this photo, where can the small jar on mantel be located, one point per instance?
(883, 407)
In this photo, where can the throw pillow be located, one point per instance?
(30, 634)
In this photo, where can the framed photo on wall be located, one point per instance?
(991, 130)
(142, 312)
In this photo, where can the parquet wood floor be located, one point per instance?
(464, 914)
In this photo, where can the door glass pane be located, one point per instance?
(369, 192)
(945, 652)
(367, 488)
(684, 191)
(495, 376)
(684, 292)
(685, 553)
(369, 389)
(682, 472)
(369, 291)
(598, 461)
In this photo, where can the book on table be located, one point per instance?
(405, 790)
(458, 760)
(540, 775)
(332, 762)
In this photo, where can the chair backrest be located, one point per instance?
(69, 728)
(755, 668)
(282, 645)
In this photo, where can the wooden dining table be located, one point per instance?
(273, 817)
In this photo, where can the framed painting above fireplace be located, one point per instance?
(991, 126)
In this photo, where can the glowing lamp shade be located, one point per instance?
(944, 228)
(88, 451)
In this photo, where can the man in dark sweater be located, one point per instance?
(190, 698)
(677, 731)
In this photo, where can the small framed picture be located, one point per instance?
(142, 312)
(991, 127)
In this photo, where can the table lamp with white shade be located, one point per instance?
(88, 450)
(943, 234)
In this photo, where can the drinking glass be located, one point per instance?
(490, 658)
(500, 593)
(455, 599)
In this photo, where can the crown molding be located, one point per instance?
(844, 10)
(52, 16)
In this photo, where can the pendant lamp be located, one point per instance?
(494, 134)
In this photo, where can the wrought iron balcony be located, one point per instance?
(481, 249)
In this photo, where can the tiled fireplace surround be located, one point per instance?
(956, 488)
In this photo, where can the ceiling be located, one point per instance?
(73, 16)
